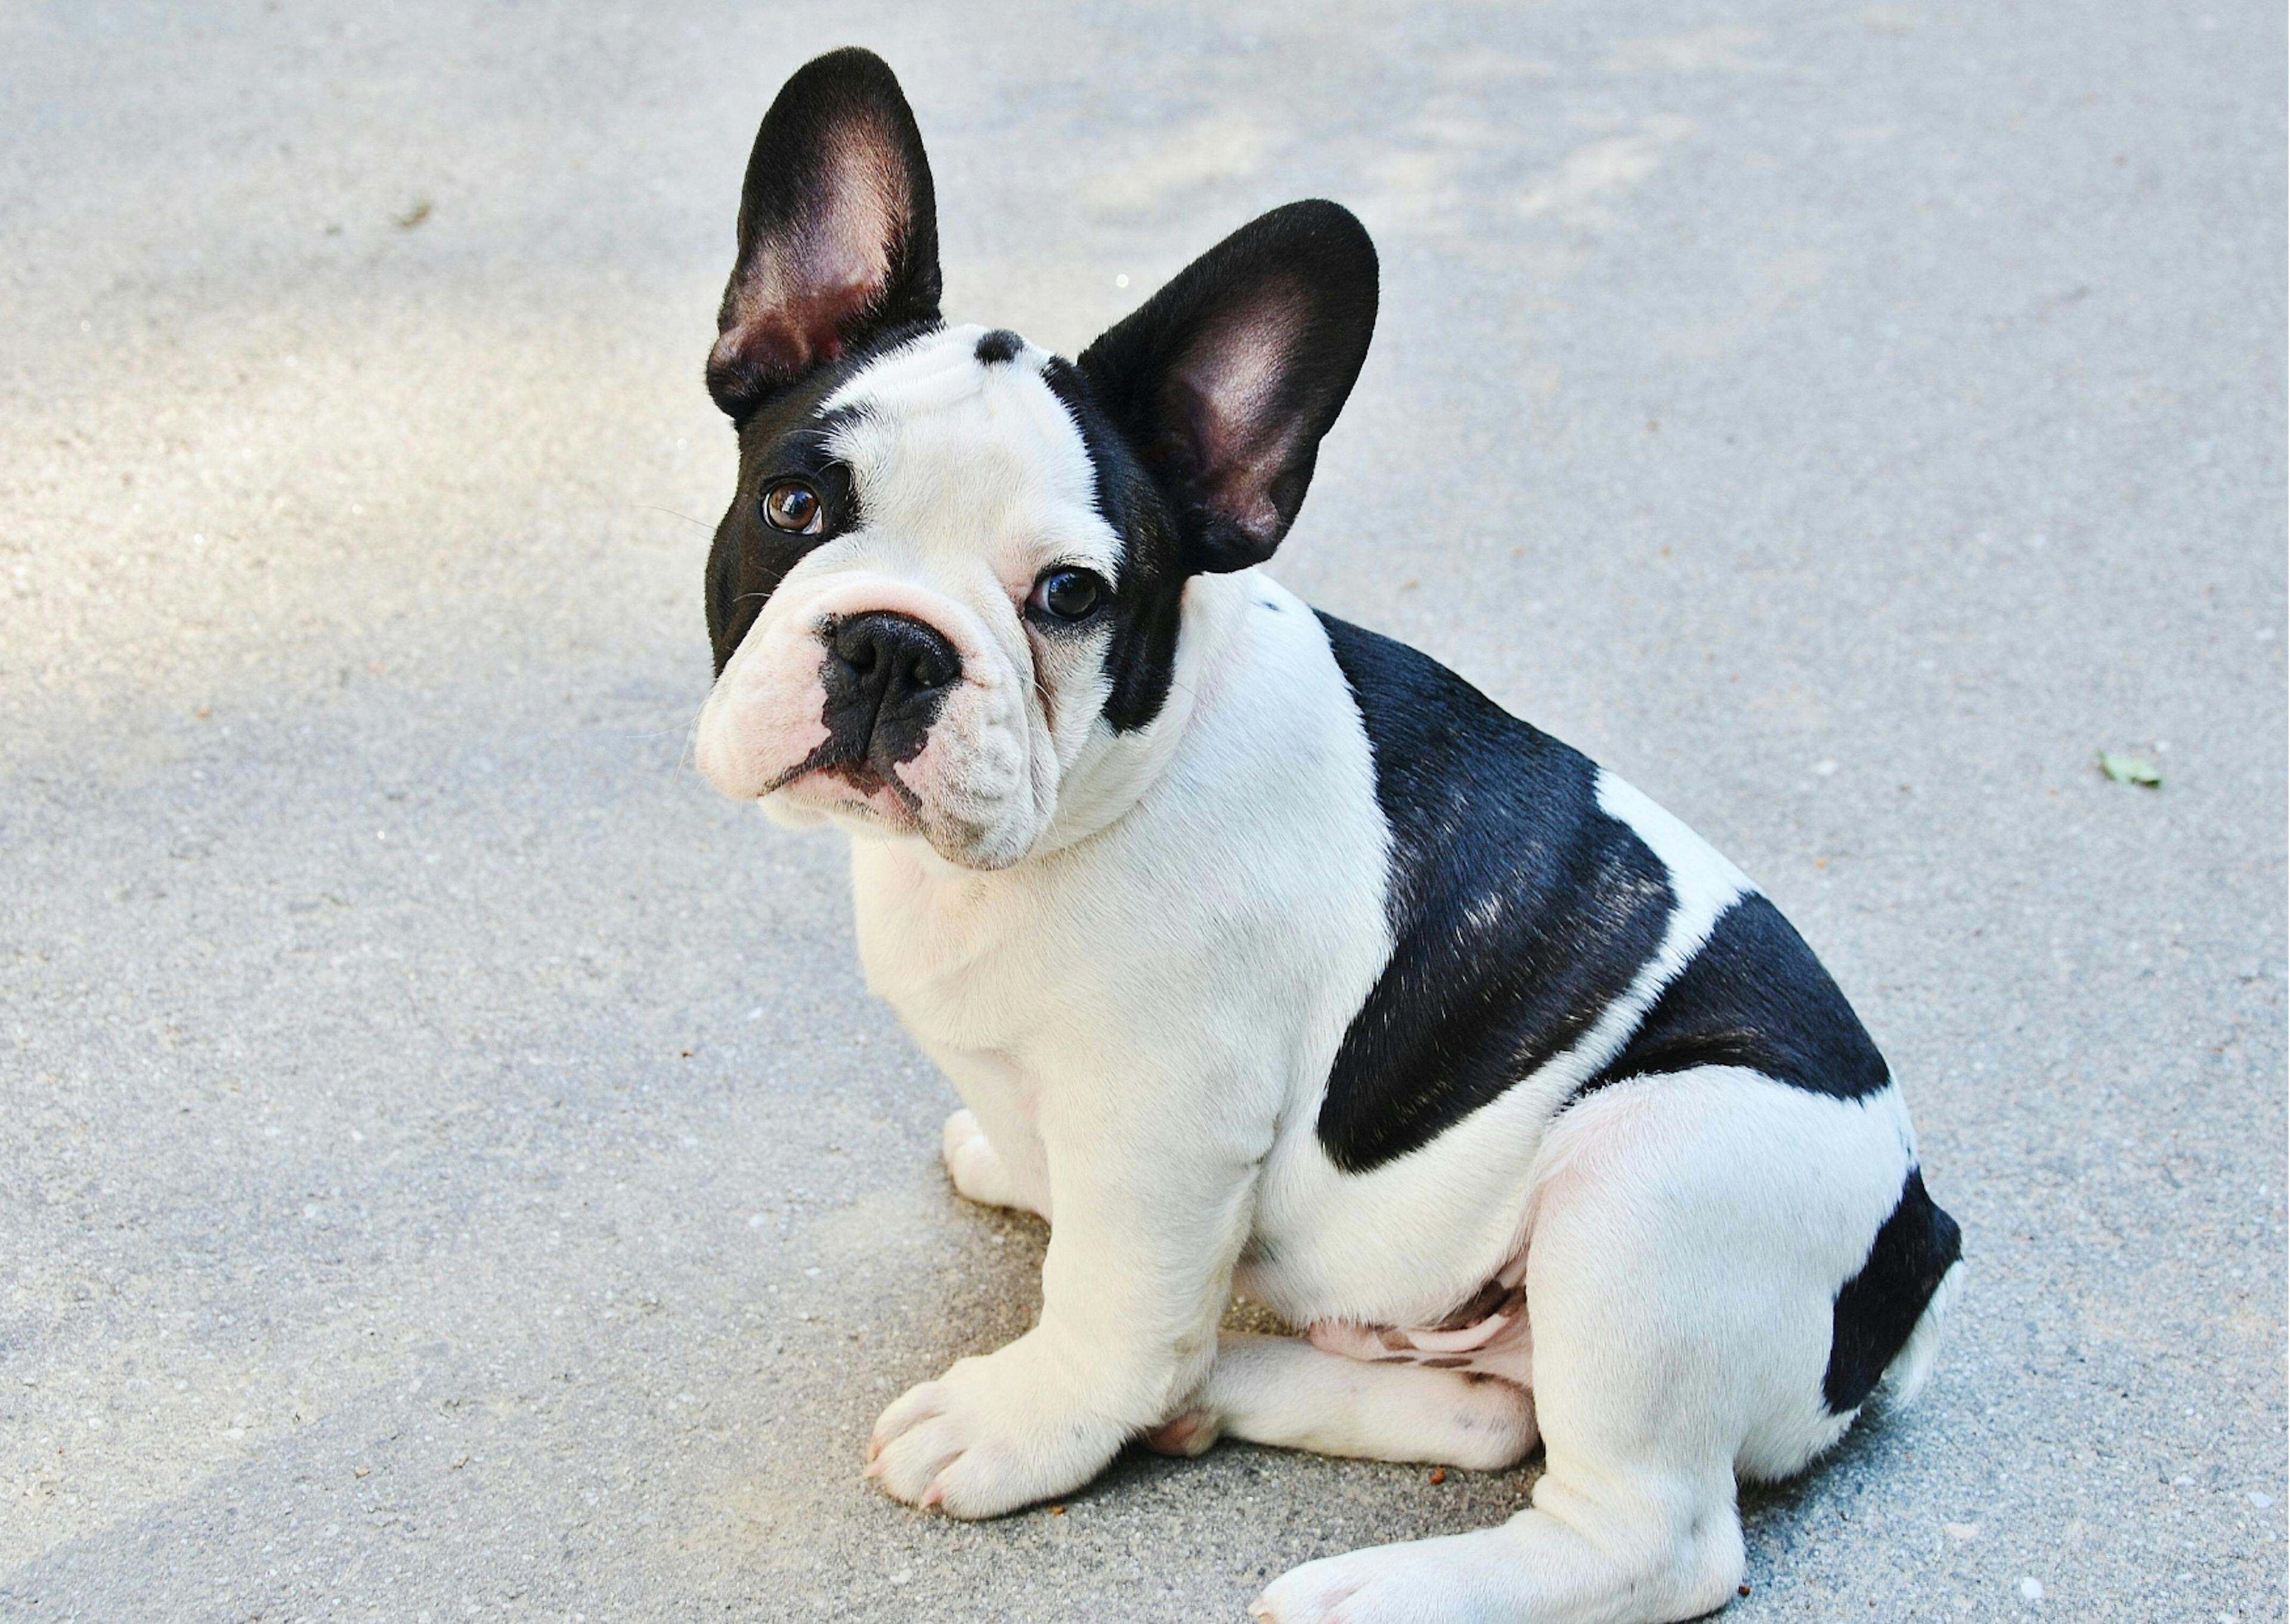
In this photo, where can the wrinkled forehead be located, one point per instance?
(956, 437)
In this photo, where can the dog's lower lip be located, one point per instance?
(809, 765)
(865, 780)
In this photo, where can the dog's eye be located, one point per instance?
(1068, 595)
(792, 505)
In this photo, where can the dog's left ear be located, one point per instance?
(838, 230)
(1225, 381)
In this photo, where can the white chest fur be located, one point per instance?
(1201, 953)
(1192, 965)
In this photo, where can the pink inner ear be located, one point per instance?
(1233, 376)
(803, 284)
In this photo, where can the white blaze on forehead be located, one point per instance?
(947, 449)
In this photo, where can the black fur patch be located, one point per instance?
(1148, 588)
(1879, 1308)
(1520, 909)
(1000, 346)
(1755, 996)
(785, 435)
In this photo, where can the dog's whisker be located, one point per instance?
(673, 514)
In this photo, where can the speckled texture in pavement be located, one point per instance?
(449, 1167)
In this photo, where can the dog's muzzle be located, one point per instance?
(886, 676)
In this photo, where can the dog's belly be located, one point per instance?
(1403, 1247)
(1489, 1335)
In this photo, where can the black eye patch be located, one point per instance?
(1144, 603)
(793, 496)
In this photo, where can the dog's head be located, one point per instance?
(953, 576)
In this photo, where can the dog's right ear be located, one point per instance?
(838, 230)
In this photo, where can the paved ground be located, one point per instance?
(448, 1167)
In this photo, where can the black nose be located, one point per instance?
(897, 655)
(886, 675)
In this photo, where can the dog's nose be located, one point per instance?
(886, 675)
(897, 657)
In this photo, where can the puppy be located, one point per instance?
(1265, 952)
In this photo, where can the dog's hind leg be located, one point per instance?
(1284, 1391)
(1689, 1236)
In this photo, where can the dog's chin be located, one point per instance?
(862, 801)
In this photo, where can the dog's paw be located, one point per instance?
(1312, 1593)
(977, 1169)
(1412, 1583)
(991, 1434)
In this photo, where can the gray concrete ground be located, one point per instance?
(449, 1167)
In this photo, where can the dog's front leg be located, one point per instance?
(1151, 1212)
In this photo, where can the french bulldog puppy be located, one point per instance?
(1265, 952)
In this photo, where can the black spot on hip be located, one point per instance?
(1878, 1309)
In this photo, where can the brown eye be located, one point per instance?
(792, 505)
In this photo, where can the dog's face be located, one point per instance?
(952, 576)
(921, 612)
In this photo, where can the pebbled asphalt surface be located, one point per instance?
(449, 1167)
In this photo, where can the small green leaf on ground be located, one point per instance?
(2130, 769)
(415, 215)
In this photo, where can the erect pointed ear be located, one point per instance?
(1225, 381)
(838, 230)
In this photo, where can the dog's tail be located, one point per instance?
(1904, 1378)
(1888, 1317)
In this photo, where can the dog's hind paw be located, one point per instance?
(1310, 1593)
(1416, 1582)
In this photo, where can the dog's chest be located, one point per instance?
(951, 953)
(1204, 955)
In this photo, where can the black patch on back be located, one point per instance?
(1755, 996)
(1000, 346)
(1149, 587)
(1878, 1309)
(1520, 909)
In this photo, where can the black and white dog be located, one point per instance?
(1266, 952)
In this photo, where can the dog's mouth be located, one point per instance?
(870, 782)
(873, 791)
